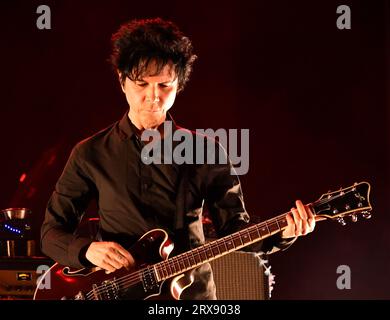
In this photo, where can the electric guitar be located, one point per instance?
(158, 276)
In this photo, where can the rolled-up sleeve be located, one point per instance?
(65, 208)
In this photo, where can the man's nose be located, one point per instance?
(153, 94)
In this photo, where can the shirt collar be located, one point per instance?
(127, 129)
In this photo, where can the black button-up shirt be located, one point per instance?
(134, 197)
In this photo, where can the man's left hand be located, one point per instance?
(300, 221)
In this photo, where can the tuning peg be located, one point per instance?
(354, 217)
(366, 214)
(341, 221)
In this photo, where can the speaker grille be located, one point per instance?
(240, 276)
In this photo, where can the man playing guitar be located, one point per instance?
(153, 61)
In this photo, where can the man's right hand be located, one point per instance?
(109, 256)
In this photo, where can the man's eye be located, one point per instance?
(142, 84)
(164, 85)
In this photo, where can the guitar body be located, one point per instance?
(61, 282)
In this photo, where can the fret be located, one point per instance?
(237, 241)
(245, 236)
(169, 268)
(186, 255)
(263, 231)
(226, 248)
(254, 234)
(221, 246)
(249, 234)
(258, 233)
(267, 227)
(191, 258)
(182, 264)
(155, 271)
(197, 256)
(273, 227)
(164, 270)
(217, 246)
(282, 222)
(209, 252)
(159, 271)
(174, 262)
(203, 254)
(215, 249)
(229, 243)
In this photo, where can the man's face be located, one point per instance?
(151, 96)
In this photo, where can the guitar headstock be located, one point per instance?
(351, 201)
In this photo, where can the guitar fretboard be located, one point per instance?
(215, 249)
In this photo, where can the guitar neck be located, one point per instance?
(349, 201)
(220, 247)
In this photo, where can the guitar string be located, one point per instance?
(136, 276)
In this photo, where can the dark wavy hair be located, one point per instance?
(139, 42)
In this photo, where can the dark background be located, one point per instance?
(314, 97)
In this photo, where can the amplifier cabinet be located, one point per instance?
(18, 276)
(242, 276)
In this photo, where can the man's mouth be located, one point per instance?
(154, 110)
